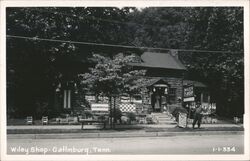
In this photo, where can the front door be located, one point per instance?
(157, 104)
(159, 92)
(157, 100)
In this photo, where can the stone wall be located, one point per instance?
(177, 84)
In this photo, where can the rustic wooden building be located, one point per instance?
(165, 75)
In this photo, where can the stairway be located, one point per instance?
(164, 118)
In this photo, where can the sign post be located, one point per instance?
(113, 104)
(188, 94)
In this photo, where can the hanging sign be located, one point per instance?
(188, 92)
(188, 99)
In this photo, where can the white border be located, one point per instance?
(121, 3)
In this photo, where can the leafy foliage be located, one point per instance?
(201, 28)
(160, 27)
(218, 29)
(113, 76)
(35, 67)
(117, 114)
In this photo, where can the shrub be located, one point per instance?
(87, 114)
(124, 120)
(117, 113)
(151, 120)
(131, 116)
(102, 117)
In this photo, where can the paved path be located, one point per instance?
(125, 126)
(203, 144)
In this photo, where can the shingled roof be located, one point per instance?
(160, 60)
(195, 83)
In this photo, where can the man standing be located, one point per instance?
(198, 115)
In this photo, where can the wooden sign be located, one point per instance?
(104, 107)
(189, 99)
(188, 91)
(182, 120)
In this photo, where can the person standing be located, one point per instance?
(197, 115)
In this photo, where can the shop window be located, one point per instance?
(172, 95)
(172, 91)
(205, 97)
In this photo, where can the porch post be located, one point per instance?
(202, 97)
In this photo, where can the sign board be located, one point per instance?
(182, 120)
(188, 91)
(130, 100)
(188, 99)
(102, 107)
(139, 101)
(90, 98)
(127, 107)
(125, 99)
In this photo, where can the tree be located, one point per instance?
(35, 67)
(201, 28)
(160, 27)
(218, 28)
(112, 77)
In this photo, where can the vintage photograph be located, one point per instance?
(125, 81)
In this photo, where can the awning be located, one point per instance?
(160, 85)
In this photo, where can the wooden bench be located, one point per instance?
(89, 121)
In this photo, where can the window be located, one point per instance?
(172, 91)
(172, 95)
(67, 99)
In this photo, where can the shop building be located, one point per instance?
(166, 74)
(164, 90)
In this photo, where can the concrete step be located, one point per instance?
(164, 117)
(169, 123)
(166, 121)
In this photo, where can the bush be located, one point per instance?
(151, 120)
(124, 120)
(87, 114)
(117, 114)
(102, 117)
(131, 116)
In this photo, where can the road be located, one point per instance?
(190, 144)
